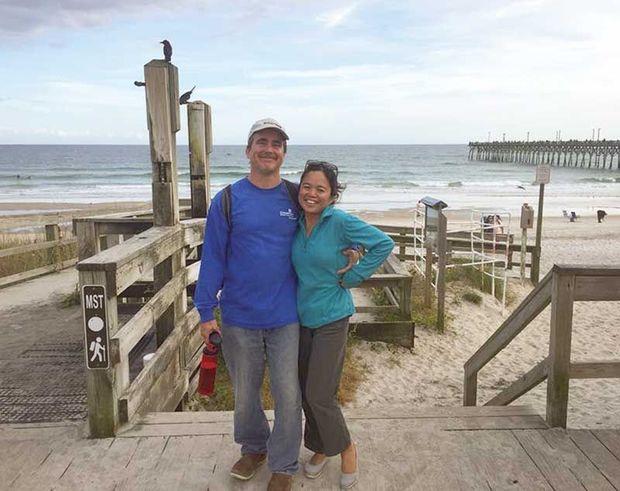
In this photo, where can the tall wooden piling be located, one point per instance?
(200, 147)
(163, 116)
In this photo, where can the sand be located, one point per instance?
(18, 217)
(432, 373)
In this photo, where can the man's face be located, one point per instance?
(266, 153)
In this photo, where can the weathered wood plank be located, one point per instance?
(611, 440)
(131, 333)
(597, 288)
(141, 389)
(140, 469)
(382, 279)
(396, 332)
(18, 458)
(522, 385)
(606, 462)
(563, 288)
(34, 273)
(401, 412)
(560, 461)
(595, 369)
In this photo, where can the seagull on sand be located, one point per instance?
(185, 96)
(167, 49)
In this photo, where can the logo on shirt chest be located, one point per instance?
(290, 214)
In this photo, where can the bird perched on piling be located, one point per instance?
(137, 83)
(167, 49)
(184, 99)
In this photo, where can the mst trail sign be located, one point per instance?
(97, 346)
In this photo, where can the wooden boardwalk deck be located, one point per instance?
(400, 448)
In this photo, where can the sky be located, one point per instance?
(332, 72)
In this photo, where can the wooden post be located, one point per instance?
(428, 273)
(442, 247)
(523, 252)
(402, 250)
(562, 297)
(87, 238)
(52, 233)
(162, 103)
(199, 131)
(535, 268)
(103, 387)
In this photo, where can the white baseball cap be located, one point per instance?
(266, 123)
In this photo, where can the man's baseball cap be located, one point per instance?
(266, 123)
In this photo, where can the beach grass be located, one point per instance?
(223, 396)
(26, 261)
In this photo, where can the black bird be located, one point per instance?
(167, 49)
(185, 96)
(137, 83)
(521, 187)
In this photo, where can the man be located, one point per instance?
(247, 255)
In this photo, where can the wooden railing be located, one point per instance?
(113, 399)
(396, 282)
(561, 287)
(53, 259)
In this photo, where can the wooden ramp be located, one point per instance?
(400, 448)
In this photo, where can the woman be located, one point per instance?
(324, 305)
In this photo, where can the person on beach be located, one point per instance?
(324, 305)
(247, 256)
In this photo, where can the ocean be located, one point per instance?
(378, 177)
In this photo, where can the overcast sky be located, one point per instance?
(332, 72)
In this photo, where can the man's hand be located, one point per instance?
(353, 257)
(207, 328)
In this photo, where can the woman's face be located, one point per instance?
(315, 193)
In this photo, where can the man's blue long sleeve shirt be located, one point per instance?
(250, 262)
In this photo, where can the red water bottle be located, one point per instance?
(208, 364)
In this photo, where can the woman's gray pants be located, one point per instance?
(321, 358)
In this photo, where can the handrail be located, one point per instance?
(562, 286)
(532, 305)
(127, 262)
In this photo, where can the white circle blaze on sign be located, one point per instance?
(95, 324)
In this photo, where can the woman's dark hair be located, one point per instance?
(330, 171)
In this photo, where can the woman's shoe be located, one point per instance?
(312, 471)
(348, 480)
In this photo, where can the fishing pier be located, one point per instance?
(590, 154)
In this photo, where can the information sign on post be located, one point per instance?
(543, 174)
(95, 327)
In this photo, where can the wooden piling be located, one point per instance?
(200, 146)
(162, 103)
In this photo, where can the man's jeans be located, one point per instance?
(245, 352)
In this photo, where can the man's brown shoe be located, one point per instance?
(245, 468)
(280, 482)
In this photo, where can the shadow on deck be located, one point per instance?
(399, 448)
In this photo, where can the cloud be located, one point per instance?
(337, 17)
(34, 16)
